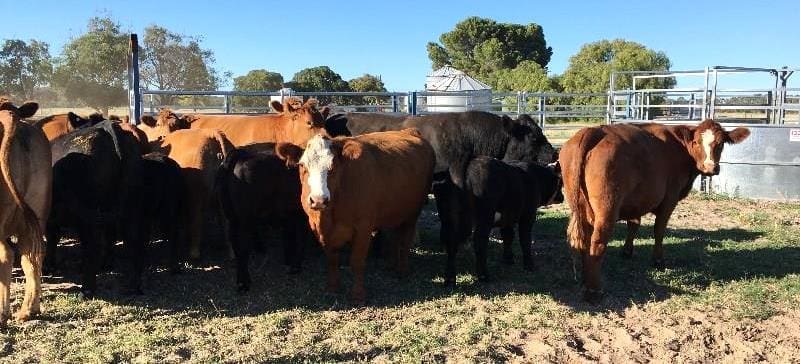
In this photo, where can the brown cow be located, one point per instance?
(621, 172)
(25, 198)
(199, 153)
(57, 125)
(355, 186)
(294, 123)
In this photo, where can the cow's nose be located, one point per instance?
(710, 167)
(318, 202)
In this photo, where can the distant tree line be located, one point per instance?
(91, 68)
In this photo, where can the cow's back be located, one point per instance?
(240, 129)
(627, 166)
(390, 178)
(364, 123)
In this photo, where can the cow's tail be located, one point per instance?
(222, 181)
(225, 145)
(579, 226)
(31, 220)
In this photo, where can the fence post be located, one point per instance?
(227, 104)
(541, 107)
(134, 97)
(394, 103)
(412, 102)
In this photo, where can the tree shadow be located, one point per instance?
(695, 259)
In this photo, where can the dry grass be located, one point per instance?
(729, 293)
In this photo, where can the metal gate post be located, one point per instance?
(412, 102)
(394, 103)
(227, 103)
(134, 95)
(540, 108)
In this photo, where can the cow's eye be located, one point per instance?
(309, 123)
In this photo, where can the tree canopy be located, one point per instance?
(256, 80)
(367, 83)
(527, 76)
(480, 46)
(590, 69)
(320, 78)
(92, 68)
(24, 67)
(171, 61)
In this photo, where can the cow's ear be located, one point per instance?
(27, 110)
(96, 118)
(148, 120)
(349, 150)
(289, 153)
(276, 105)
(76, 121)
(325, 111)
(737, 135)
(685, 132)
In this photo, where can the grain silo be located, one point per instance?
(467, 92)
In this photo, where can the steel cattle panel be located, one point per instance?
(764, 166)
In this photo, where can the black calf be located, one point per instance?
(255, 186)
(497, 194)
(163, 190)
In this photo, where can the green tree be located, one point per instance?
(365, 83)
(24, 67)
(171, 61)
(256, 80)
(320, 78)
(92, 68)
(480, 46)
(590, 69)
(527, 76)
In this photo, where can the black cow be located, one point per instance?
(255, 187)
(371, 122)
(500, 194)
(97, 171)
(164, 190)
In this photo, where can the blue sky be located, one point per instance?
(388, 38)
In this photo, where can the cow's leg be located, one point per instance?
(195, 217)
(507, 234)
(660, 226)
(295, 241)
(6, 262)
(484, 219)
(173, 235)
(90, 251)
(402, 244)
(633, 228)
(593, 259)
(525, 239)
(33, 278)
(53, 235)
(358, 262)
(332, 257)
(241, 250)
(134, 250)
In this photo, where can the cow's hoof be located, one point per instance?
(593, 296)
(450, 282)
(358, 300)
(87, 293)
(484, 278)
(659, 264)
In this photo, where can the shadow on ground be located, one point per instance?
(694, 258)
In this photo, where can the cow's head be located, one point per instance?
(156, 128)
(705, 143)
(319, 169)
(527, 142)
(555, 195)
(26, 110)
(304, 120)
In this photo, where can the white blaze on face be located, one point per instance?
(318, 161)
(706, 139)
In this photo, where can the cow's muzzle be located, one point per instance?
(318, 202)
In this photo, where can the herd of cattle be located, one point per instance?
(341, 179)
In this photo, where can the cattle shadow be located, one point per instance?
(694, 258)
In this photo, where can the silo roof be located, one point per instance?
(448, 78)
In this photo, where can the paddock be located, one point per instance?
(728, 293)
